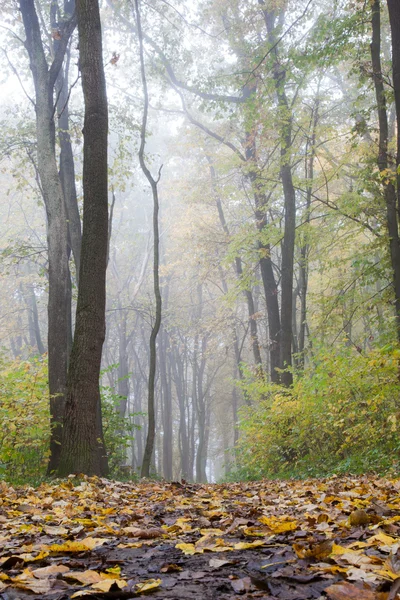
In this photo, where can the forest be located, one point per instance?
(200, 260)
(200, 299)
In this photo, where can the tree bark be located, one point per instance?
(285, 126)
(151, 432)
(44, 78)
(392, 208)
(83, 448)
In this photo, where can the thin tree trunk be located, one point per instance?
(239, 273)
(305, 247)
(151, 432)
(67, 168)
(167, 405)
(83, 448)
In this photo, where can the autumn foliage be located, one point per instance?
(336, 538)
(342, 415)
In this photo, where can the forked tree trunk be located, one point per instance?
(44, 78)
(288, 244)
(83, 448)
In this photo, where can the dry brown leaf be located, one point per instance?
(349, 591)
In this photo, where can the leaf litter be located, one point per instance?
(336, 538)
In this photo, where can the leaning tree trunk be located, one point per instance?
(83, 448)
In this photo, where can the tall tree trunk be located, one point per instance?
(266, 267)
(67, 167)
(255, 344)
(392, 211)
(123, 380)
(305, 246)
(165, 375)
(151, 432)
(83, 448)
(32, 303)
(285, 126)
(44, 78)
(178, 374)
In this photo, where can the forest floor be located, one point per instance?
(336, 538)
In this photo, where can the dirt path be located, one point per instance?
(337, 538)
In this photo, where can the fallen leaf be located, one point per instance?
(46, 572)
(146, 586)
(216, 563)
(278, 525)
(107, 585)
(84, 577)
(349, 591)
(249, 545)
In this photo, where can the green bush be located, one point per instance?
(342, 415)
(118, 433)
(24, 420)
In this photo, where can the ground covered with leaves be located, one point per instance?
(337, 538)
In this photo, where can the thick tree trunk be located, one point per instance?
(44, 78)
(288, 244)
(392, 210)
(83, 445)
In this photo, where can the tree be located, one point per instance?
(151, 432)
(44, 78)
(83, 448)
(390, 194)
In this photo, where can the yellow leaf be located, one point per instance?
(277, 525)
(381, 537)
(146, 586)
(337, 550)
(114, 570)
(131, 545)
(248, 545)
(253, 532)
(106, 584)
(188, 549)
(27, 557)
(88, 543)
(85, 577)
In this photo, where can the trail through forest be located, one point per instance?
(337, 538)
